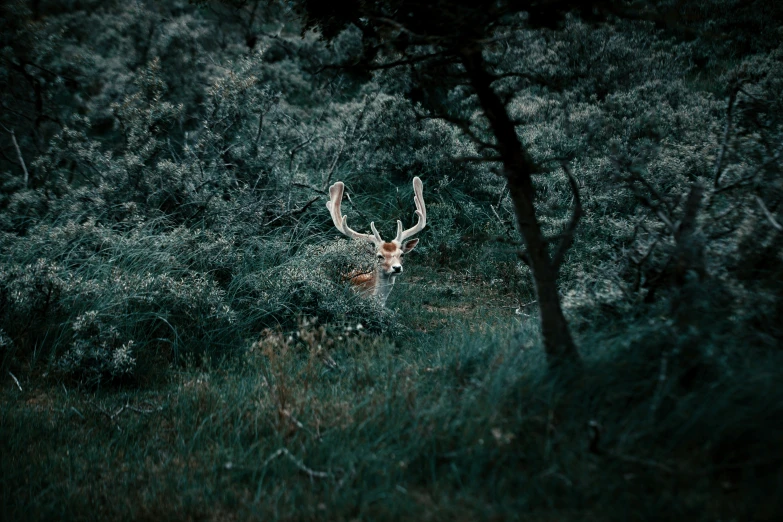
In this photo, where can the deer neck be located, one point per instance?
(383, 286)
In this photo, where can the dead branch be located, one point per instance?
(508, 227)
(298, 463)
(296, 422)
(294, 211)
(19, 155)
(16, 381)
(663, 375)
(642, 462)
(567, 237)
(777, 226)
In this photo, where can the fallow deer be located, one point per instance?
(380, 281)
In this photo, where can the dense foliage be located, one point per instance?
(163, 173)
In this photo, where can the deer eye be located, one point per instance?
(380, 257)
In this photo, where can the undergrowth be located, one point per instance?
(98, 305)
(332, 422)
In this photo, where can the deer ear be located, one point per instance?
(410, 245)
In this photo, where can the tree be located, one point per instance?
(443, 47)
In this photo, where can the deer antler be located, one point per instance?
(421, 213)
(341, 222)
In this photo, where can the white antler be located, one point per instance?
(421, 213)
(341, 222)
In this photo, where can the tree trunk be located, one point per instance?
(519, 168)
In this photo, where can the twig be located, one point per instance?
(333, 166)
(518, 310)
(508, 229)
(640, 263)
(16, 381)
(109, 415)
(275, 99)
(404, 29)
(388, 65)
(635, 176)
(354, 208)
(663, 375)
(310, 187)
(777, 226)
(19, 155)
(141, 410)
(298, 463)
(551, 472)
(666, 221)
(345, 138)
(294, 211)
(595, 447)
(640, 461)
(567, 237)
(747, 179)
(296, 422)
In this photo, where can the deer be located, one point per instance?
(389, 254)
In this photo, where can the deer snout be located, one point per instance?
(397, 269)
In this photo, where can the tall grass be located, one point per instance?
(324, 422)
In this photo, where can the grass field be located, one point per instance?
(452, 417)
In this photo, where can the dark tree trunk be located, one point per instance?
(519, 168)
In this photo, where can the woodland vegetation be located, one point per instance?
(590, 328)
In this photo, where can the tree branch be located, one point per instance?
(381, 66)
(567, 237)
(726, 131)
(478, 159)
(464, 126)
(746, 180)
(668, 216)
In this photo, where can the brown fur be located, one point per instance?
(364, 281)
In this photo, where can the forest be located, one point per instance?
(590, 325)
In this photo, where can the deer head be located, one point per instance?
(388, 253)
